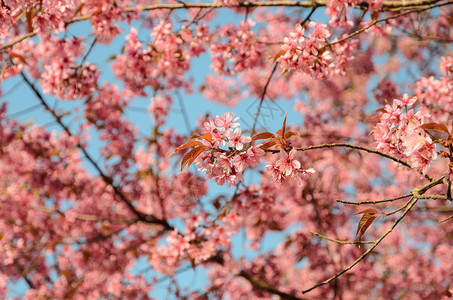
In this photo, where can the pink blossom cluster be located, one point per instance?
(163, 62)
(438, 92)
(218, 163)
(398, 133)
(385, 89)
(53, 14)
(288, 168)
(446, 66)
(440, 26)
(240, 51)
(337, 10)
(63, 76)
(105, 26)
(48, 16)
(223, 90)
(105, 112)
(227, 166)
(308, 54)
(197, 243)
(159, 107)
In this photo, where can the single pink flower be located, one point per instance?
(288, 163)
(227, 121)
(275, 173)
(405, 100)
(236, 139)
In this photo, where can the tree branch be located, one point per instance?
(408, 208)
(374, 202)
(342, 242)
(433, 196)
(416, 195)
(22, 272)
(151, 219)
(445, 220)
(346, 145)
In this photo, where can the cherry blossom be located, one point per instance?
(146, 142)
(226, 121)
(236, 139)
(288, 164)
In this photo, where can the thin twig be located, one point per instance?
(228, 204)
(12, 89)
(418, 192)
(440, 209)
(263, 95)
(342, 242)
(399, 209)
(184, 112)
(24, 111)
(18, 40)
(346, 145)
(23, 274)
(309, 15)
(374, 202)
(432, 196)
(89, 51)
(445, 220)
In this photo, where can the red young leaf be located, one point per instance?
(436, 127)
(367, 224)
(375, 15)
(29, 16)
(369, 216)
(19, 57)
(191, 156)
(262, 136)
(186, 145)
(207, 136)
(290, 134)
(280, 53)
(200, 150)
(284, 125)
(368, 210)
(267, 145)
(2, 73)
(447, 293)
(374, 117)
(194, 136)
(79, 9)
